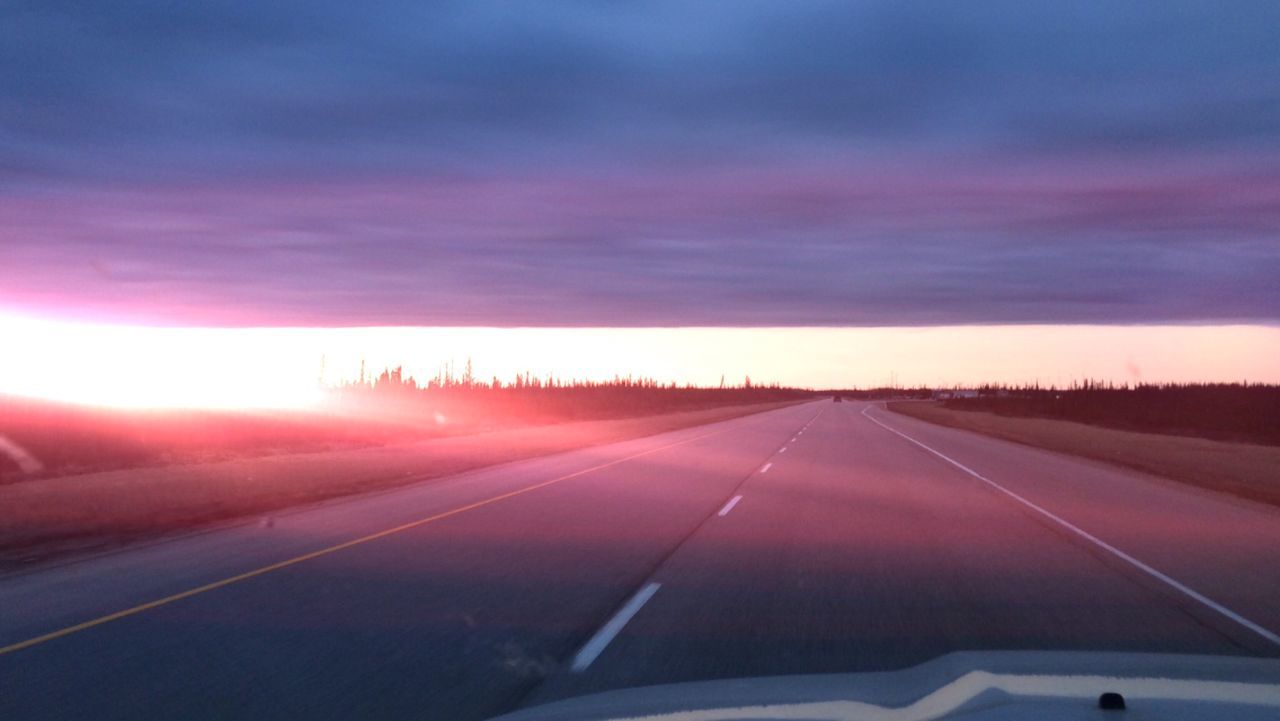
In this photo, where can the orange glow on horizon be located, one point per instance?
(263, 368)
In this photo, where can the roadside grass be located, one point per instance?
(47, 517)
(1233, 412)
(69, 439)
(1243, 469)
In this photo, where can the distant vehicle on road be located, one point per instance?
(836, 399)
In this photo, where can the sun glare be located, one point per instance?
(138, 367)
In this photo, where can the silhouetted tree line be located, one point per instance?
(880, 394)
(1226, 411)
(457, 396)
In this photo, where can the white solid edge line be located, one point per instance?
(608, 631)
(1262, 631)
(729, 506)
(766, 468)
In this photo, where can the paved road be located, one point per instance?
(817, 538)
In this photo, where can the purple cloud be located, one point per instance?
(668, 164)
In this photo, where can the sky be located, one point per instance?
(680, 164)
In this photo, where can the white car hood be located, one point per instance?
(982, 686)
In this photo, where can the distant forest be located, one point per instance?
(1242, 412)
(460, 398)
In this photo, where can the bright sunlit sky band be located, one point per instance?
(659, 164)
(246, 367)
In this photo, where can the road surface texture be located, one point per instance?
(816, 538)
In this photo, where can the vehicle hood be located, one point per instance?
(980, 686)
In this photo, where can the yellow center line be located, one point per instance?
(326, 551)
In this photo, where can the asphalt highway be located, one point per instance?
(822, 537)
